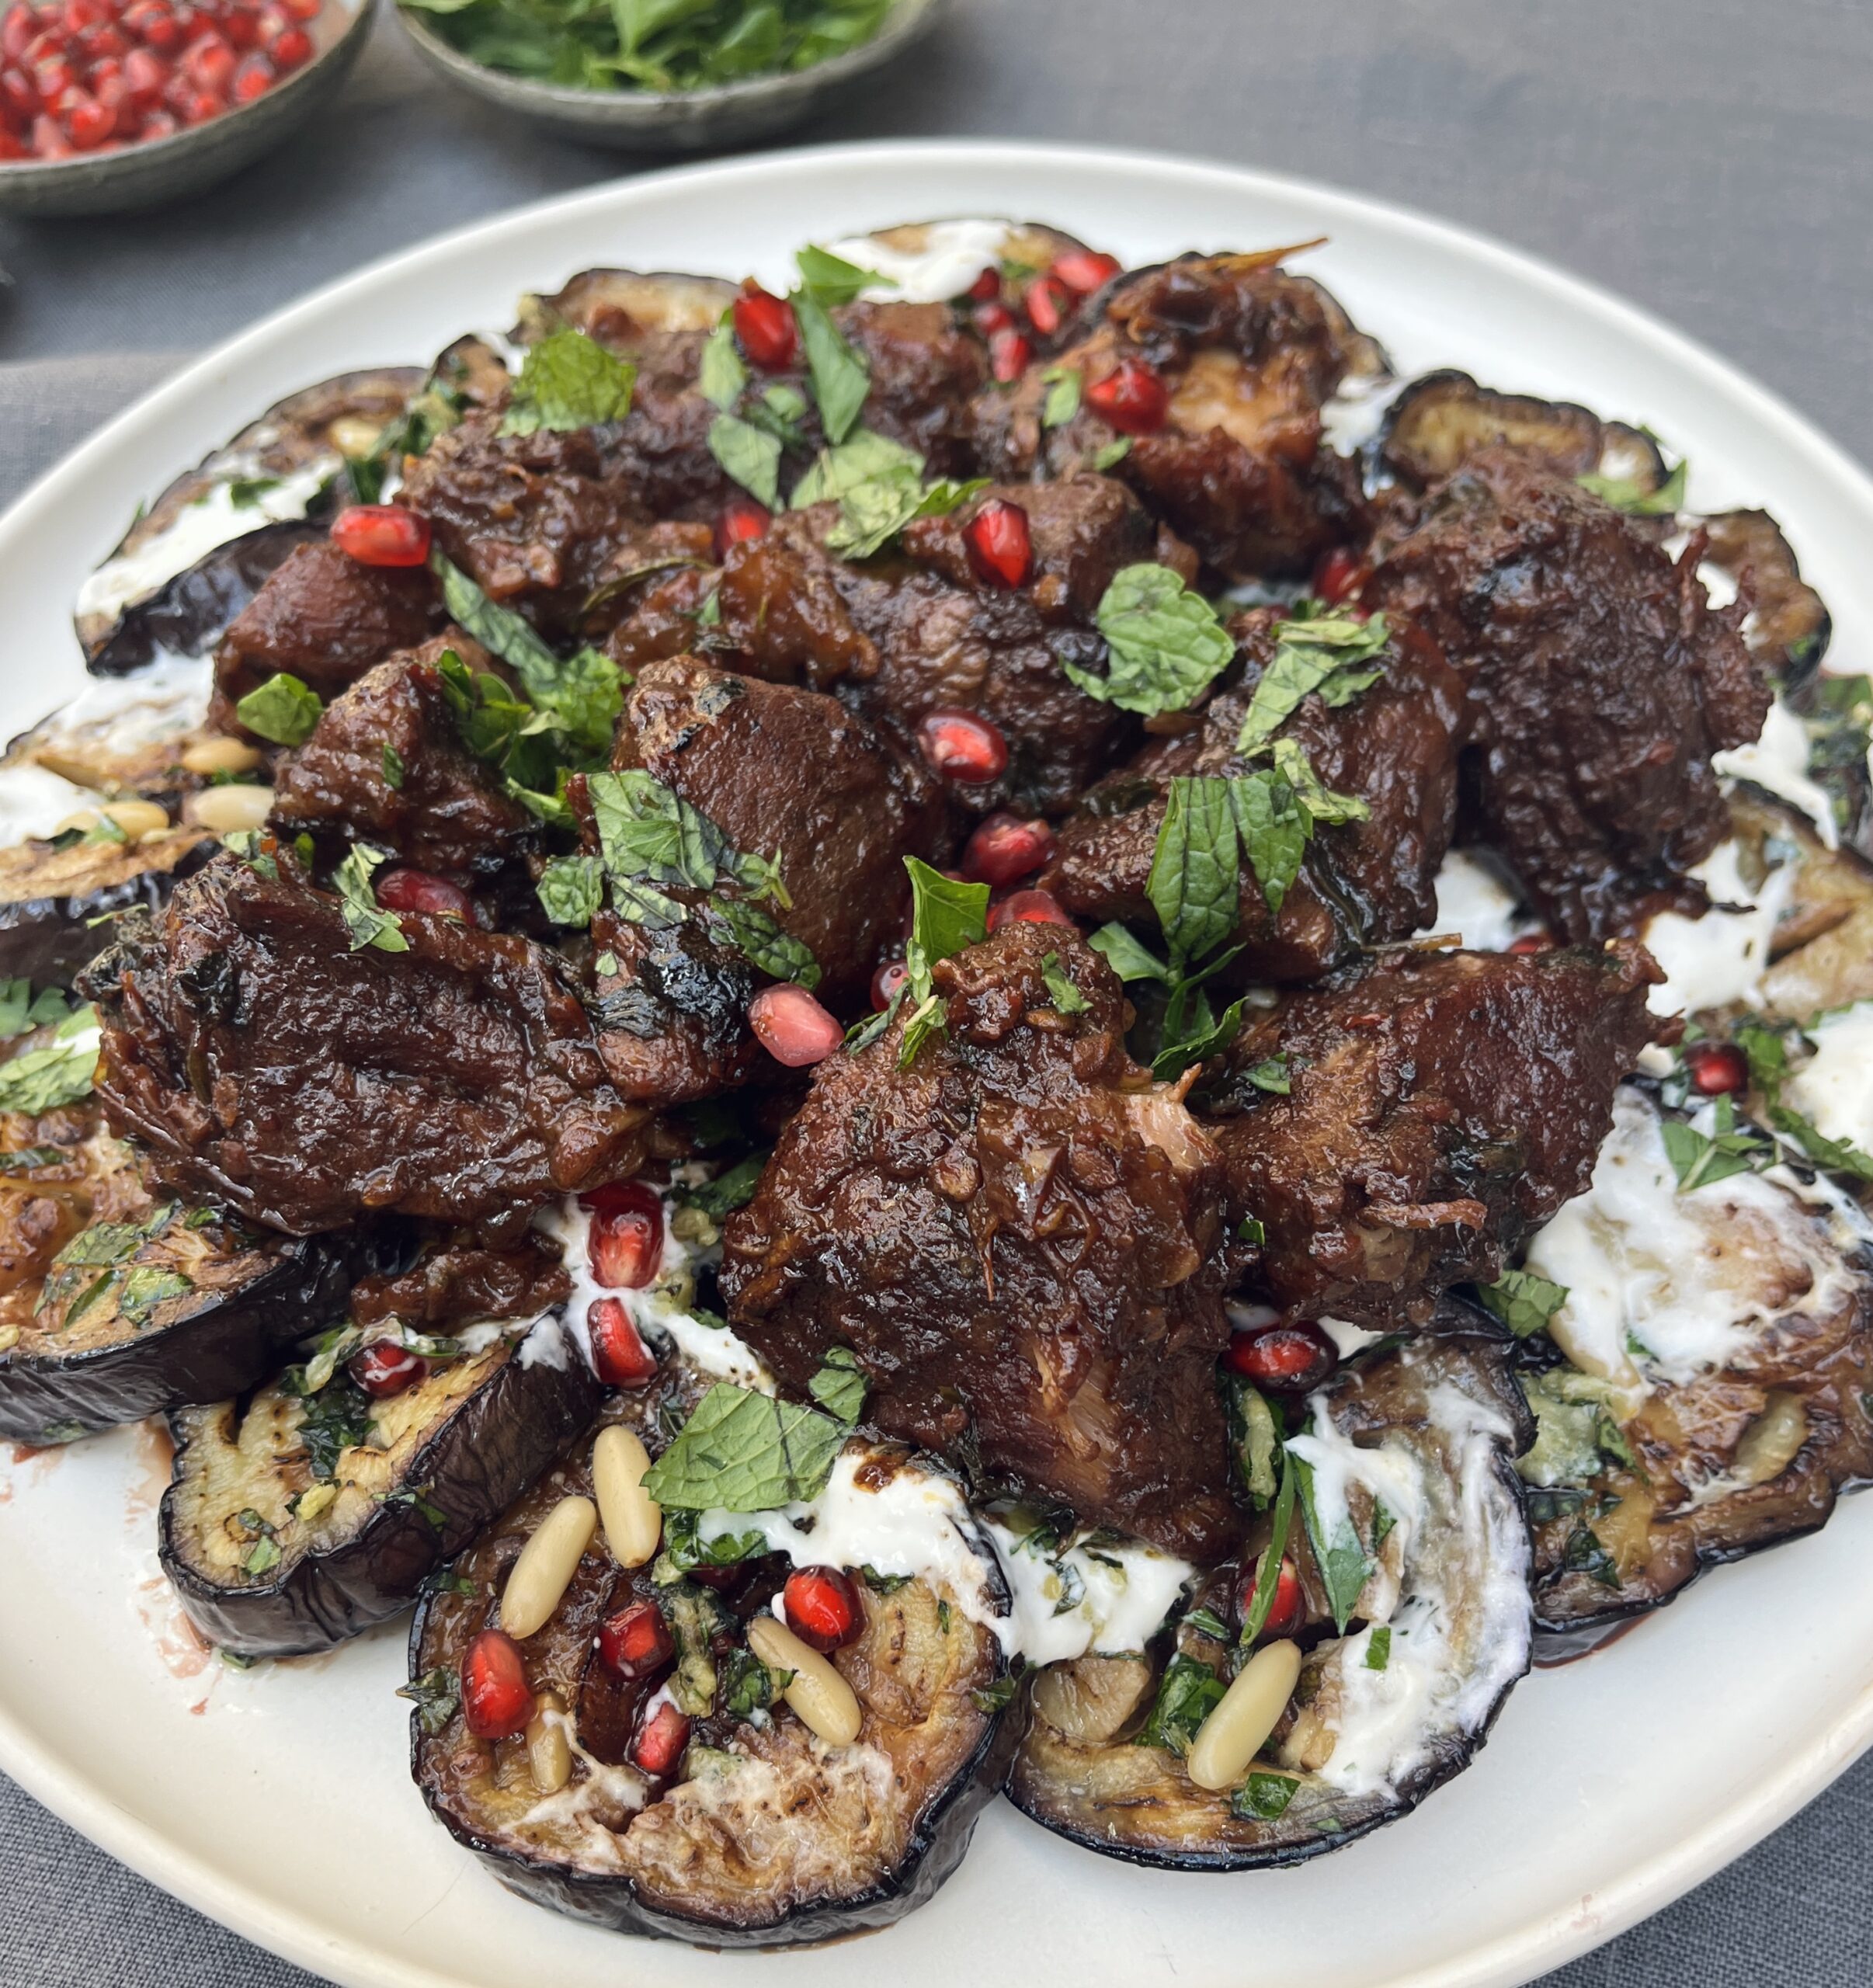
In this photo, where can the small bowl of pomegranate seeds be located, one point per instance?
(698, 77)
(110, 106)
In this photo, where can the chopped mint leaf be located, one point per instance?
(1699, 1159)
(1065, 385)
(59, 1073)
(841, 379)
(758, 938)
(1166, 644)
(571, 890)
(1066, 998)
(831, 281)
(1192, 884)
(1309, 655)
(569, 381)
(1271, 1075)
(1627, 494)
(723, 375)
(282, 710)
(749, 455)
(1378, 1648)
(1263, 1797)
(1523, 1302)
(1343, 1562)
(1127, 958)
(392, 763)
(745, 1452)
(839, 1386)
(1187, 1694)
(365, 919)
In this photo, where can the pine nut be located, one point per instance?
(1233, 1735)
(84, 821)
(138, 819)
(549, 1751)
(314, 1502)
(1772, 1442)
(219, 755)
(539, 1578)
(9, 1338)
(634, 1519)
(354, 435)
(223, 810)
(823, 1699)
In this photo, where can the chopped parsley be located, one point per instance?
(1187, 1694)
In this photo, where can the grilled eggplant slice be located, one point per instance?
(1789, 626)
(1429, 1432)
(58, 897)
(294, 1520)
(1822, 948)
(274, 469)
(624, 307)
(122, 1306)
(770, 1836)
(1438, 422)
(1709, 1398)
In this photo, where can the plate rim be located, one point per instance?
(1511, 1958)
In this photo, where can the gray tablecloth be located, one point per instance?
(1712, 159)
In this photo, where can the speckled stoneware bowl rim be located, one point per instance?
(235, 131)
(760, 102)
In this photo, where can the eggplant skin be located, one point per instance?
(481, 1457)
(188, 615)
(723, 1909)
(1440, 421)
(212, 1343)
(47, 903)
(1135, 1802)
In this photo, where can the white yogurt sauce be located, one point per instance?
(1663, 1285)
(661, 1311)
(33, 802)
(197, 529)
(1459, 1629)
(1097, 1594)
(1834, 1088)
(1778, 761)
(955, 253)
(1478, 901)
(1351, 417)
(1718, 958)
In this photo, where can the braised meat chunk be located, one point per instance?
(899, 637)
(387, 764)
(793, 775)
(1439, 1107)
(1601, 684)
(267, 1065)
(326, 618)
(1393, 746)
(1213, 369)
(1017, 1237)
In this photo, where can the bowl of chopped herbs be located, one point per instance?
(656, 75)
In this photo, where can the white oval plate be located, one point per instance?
(276, 1800)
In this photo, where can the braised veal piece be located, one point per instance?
(1394, 746)
(1601, 682)
(1016, 1237)
(265, 1062)
(1213, 371)
(387, 765)
(1440, 1105)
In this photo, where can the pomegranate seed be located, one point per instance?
(87, 123)
(18, 100)
(764, 324)
(497, 1701)
(637, 1642)
(274, 22)
(1000, 551)
(1292, 1356)
(1131, 399)
(144, 75)
(1287, 1609)
(209, 63)
(987, 286)
(10, 147)
(1004, 849)
(1340, 575)
(108, 86)
(201, 107)
(158, 124)
(48, 141)
(1531, 942)
(253, 78)
(740, 519)
(52, 79)
(386, 1368)
(1047, 302)
(82, 14)
(624, 1244)
(290, 50)
(792, 1026)
(241, 26)
(885, 983)
(381, 535)
(620, 1357)
(992, 317)
(1027, 908)
(303, 10)
(1085, 270)
(48, 45)
(660, 1740)
(17, 27)
(823, 1608)
(417, 890)
(99, 42)
(1717, 1069)
(962, 746)
(156, 26)
(1010, 355)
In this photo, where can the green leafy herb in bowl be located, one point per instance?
(656, 45)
